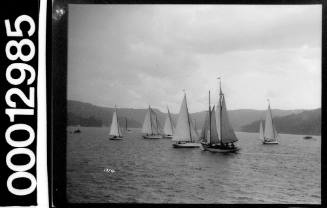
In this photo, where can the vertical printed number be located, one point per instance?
(19, 53)
(18, 32)
(15, 52)
(21, 67)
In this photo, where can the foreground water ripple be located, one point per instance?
(151, 171)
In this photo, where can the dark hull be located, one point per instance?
(152, 136)
(115, 138)
(219, 149)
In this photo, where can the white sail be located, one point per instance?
(194, 133)
(224, 130)
(155, 123)
(261, 131)
(183, 131)
(218, 116)
(168, 128)
(214, 138)
(270, 132)
(205, 129)
(147, 126)
(227, 132)
(114, 128)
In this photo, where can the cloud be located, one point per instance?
(136, 55)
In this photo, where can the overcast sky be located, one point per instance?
(136, 55)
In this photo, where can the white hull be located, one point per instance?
(270, 142)
(168, 136)
(205, 147)
(186, 145)
(152, 136)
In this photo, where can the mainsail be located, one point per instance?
(168, 128)
(213, 136)
(270, 131)
(183, 131)
(261, 131)
(155, 123)
(225, 131)
(115, 128)
(205, 129)
(147, 126)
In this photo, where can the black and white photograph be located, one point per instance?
(194, 104)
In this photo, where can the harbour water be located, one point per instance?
(137, 170)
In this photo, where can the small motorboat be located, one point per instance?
(307, 137)
(76, 131)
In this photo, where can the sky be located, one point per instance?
(133, 56)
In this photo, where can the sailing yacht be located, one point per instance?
(218, 134)
(269, 134)
(185, 134)
(151, 127)
(168, 128)
(115, 130)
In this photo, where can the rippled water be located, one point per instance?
(151, 171)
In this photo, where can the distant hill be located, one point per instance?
(104, 114)
(306, 122)
(135, 117)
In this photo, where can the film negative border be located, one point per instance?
(58, 93)
(23, 165)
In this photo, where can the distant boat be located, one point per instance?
(168, 128)
(115, 130)
(126, 125)
(307, 137)
(77, 129)
(269, 134)
(218, 135)
(185, 134)
(151, 125)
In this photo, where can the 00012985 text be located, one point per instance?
(20, 147)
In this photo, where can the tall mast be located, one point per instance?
(116, 115)
(220, 109)
(119, 133)
(171, 124)
(272, 121)
(150, 120)
(209, 119)
(126, 122)
(188, 116)
(157, 123)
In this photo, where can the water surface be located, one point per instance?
(151, 171)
